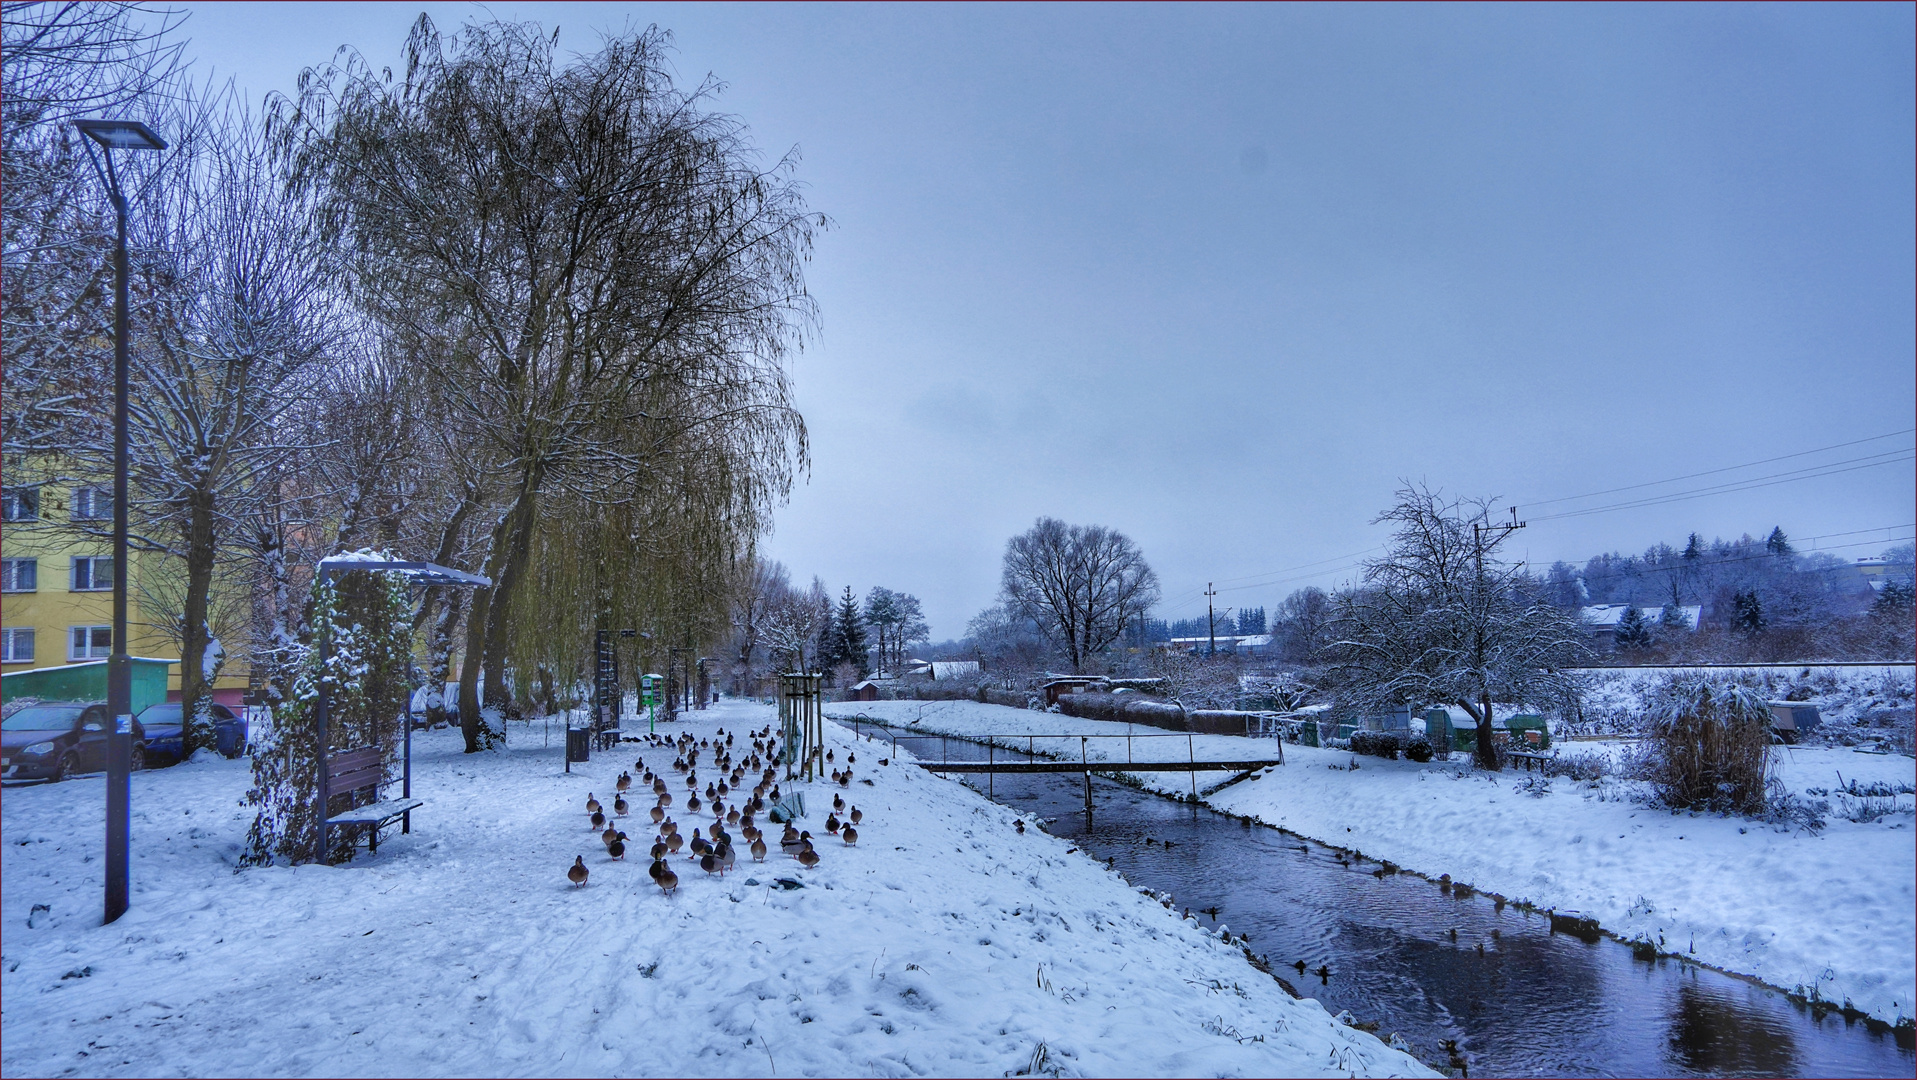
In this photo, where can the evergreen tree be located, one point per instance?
(1633, 632)
(831, 640)
(1778, 543)
(1673, 617)
(1694, 550)
(851, 627)
(1747, 614)
(1251, 621)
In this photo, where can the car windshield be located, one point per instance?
(160, 715)
(42, 718)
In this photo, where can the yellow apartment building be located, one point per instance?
(56, 585)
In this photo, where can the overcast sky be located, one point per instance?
(1219, 277)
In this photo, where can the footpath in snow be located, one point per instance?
(945, 943)
(1833, 913)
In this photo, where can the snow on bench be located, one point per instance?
(351, 772)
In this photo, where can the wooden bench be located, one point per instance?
(355, 773)
(1531, 759)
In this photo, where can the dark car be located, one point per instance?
(53, 741)
(162, 724)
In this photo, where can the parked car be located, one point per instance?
(162, 724)
(53, 741)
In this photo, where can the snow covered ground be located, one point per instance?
(945, 943)
(1834, 913)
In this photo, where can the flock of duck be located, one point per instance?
(716, 853)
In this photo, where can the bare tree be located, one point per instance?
(59, 61)
(1080, 583)
(1440, 618)
(792, 623)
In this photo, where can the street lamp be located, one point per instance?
(118, 135)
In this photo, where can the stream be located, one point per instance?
(1515, 997)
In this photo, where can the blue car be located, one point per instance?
(162, 724)
(54, 740)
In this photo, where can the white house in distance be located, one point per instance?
(1601, 620)
(1246, 644)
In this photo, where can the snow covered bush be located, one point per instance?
(1418, 749)
(1711, 742)
(1382, 744)
(364, 621)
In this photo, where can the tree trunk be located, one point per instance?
(1486, 754)
(469, 715)
(196, 690)
(439, 652)
(517, 532)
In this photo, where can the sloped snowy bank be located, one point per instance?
(1832, 914)
(945, 943)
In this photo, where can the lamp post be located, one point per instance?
(118, 135)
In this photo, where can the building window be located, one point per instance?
(92, 573)
(19, 575)
(16, 645)
(92, 503)
(21, 504)
(90, 643)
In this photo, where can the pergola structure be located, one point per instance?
(419, 573)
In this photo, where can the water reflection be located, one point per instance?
(1715, 1036)
(1440, 969)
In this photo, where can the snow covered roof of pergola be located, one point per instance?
(421, 573)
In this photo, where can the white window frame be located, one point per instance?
(93, 573)
(10, 574)
(10, 642)
(87, 503)
(14, 504)
(94, 649)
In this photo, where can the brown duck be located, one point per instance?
(578, 873)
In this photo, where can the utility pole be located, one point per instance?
(1485, 751)
(1211, 620)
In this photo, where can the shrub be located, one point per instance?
(1418, 749)
(1711, 743)
(1382, 744)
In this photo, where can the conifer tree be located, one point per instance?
(1747, 616)
(851, 627)
(1633, 633)
(1777, 543)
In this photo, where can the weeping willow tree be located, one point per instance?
(603, 281)
(654, 552)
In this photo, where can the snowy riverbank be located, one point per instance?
(945, 943)
(1830, 913)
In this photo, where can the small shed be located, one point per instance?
(1070, 684)
(1792, 720)
(864, 690)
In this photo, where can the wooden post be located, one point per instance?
(1083, 760)
(1191, 760)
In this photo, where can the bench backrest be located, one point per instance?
(354, 770)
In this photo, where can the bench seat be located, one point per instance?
(378, 813)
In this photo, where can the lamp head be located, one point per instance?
(121, 134)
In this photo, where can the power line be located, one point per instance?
(1713, 472)
(1812, 472)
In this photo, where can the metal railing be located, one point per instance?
(1192, 764)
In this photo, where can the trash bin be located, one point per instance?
(578, 744)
